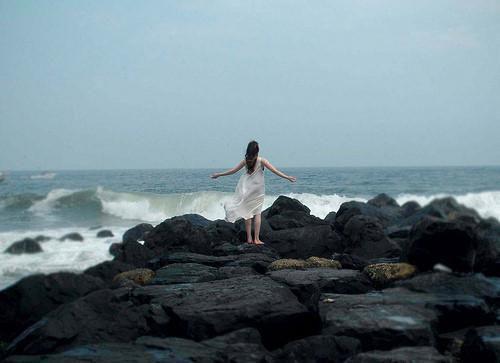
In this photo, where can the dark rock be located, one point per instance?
(398, 231)
(383, 200)
(288, 213)
(227, 272)
(285, 204)
(25, 302)
(318, 348)
(409, 208)
(108, 269)
(350, 209)
(265, 229)
(221, 231)
(178, 234)
(364, 236)
(179, 273)
(488, 248)
(137, 233)
(481, 344)
(450, 243)
(105, 233)
(330, 218)
(196, 219)
(320, 241)
(132, 253)
(402, 355)
(350, 261)
(308, 284)
(72, 237)
(227, 249)
(251, 301)
(99, 316)
(27, 245)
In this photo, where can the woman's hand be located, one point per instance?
(291, 179)
(214, 175)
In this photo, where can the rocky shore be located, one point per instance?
(372, 282)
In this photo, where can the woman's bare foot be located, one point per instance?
(259, 242)
(250, 242)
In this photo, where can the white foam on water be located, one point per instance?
(57, 255)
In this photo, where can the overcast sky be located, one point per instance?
(172, 84)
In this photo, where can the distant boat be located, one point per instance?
(44, 175)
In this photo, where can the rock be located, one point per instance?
(101, 316)
(364, 236)
(488, 249)
(207, 309)
(385, 273)
(330, 218)
(350, 209)
(450, 243)
(409, 208)
(318, 348)
(305, 242)
(383, 200)
(286, 264)
(141, 276)
(72, 237)
(104, 233)
(350, 261)
(180, 273)
(178, 234)
(27, 245)
(285, 204)
(481, 344)
(287, 213)
(137, 233)
(221, 231)
(402, 355)
(108, 269)
(313, 262)
(451, 343)
(132, 253)
(196, 219)
(25, 302)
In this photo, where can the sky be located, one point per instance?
(187, 84)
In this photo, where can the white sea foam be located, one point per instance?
(56, 256)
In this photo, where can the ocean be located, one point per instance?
(89, 200)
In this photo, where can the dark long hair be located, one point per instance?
(251, 155)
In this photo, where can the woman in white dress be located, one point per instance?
(249, 195)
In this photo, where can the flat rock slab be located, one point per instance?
(178, 273)
(204, 310)
(482, 344)
(402, 355)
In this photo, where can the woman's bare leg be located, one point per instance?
(248, 228)
(257, 222)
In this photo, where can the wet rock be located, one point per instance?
(364, 237)
(137, 233)
(250, 301)
(488, 249)
(330, 218)
(450, 243)
(318, 348)
(409, 208)
(352, 262)
(350, 209)
(196, 219)
(402, 355)
(72, 237)
(384, 274)
(179, 273)
(132, 253)
(25, 302)
(105, 233)
(481, 344)
(178, 234)
(220, 231)
(140, 276)
(108, 269)
(27, 245)
(383, 200)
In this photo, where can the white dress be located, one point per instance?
(249, 195)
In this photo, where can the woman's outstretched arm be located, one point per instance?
(230, 171)
(270, 166)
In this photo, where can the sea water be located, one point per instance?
(89, 200)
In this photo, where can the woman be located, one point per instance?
(249, 195)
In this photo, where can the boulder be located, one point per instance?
(481, 344)
(305, 242)
(25, 302)
(178, 234)
(72, 237)
(207, 309)
(383, 200)
(220, 231)
(132, 253)
(352, 262)
(196, 219)
(101, 316)
(330, 218)
(488, 248)
(409, 208)
(137, 233)
(27, 245)
(140, 276)
(350, 209)
(364, 237)
(401, 355)
(287, 213)
(105, 233)
(108, 269)
(180, 273)
(284, 205)
(450, 243)
(383, 274)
